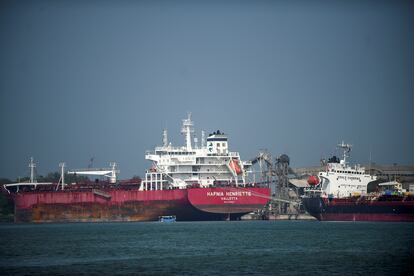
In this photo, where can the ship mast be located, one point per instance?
(203, 139)
(346, 149)
(187, 129)
(61, 181)
(32, 166)
(165, 138)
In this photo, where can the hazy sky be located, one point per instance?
(82, 79)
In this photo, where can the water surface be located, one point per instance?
(205, 248)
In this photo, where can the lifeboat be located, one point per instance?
(235, 166)
(313, 180)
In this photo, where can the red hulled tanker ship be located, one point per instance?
(205, 182)
(341, 194)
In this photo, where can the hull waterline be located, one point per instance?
(360, 210)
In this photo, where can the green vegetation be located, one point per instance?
(55, 176)
(6, 205)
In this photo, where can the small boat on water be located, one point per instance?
(167, 219)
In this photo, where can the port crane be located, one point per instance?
(276, 172)
(111, 172)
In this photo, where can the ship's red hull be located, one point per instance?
(384, 208)
(134, 205)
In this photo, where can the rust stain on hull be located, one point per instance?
(96, 212)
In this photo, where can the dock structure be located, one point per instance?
(289, 183)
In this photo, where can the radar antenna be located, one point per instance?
(90, 165)
(346, 149)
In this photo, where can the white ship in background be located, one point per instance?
(340, 193)
(340, 179)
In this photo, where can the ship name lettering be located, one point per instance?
(215, 194)
(348, 177)
(239, 193)
(230, 194)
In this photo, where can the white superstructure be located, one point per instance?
(210, 164)
(340, 179)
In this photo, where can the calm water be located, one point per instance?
(220, 248)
